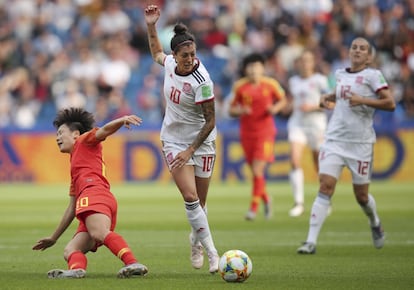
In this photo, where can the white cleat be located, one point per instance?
(135, 269)
(378, 236)
(297, 210)
(58, 273)
(250, 215)
(197, 254)
(213, 259)
(307, 249)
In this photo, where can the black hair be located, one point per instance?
(75, 119)
(181, 36)
(251, 58)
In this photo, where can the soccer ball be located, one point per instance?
(235, 266)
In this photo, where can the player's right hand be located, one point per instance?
(43, 244)
(152, 13)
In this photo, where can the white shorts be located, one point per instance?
(357, 157)
(203, 158)
(310, 136)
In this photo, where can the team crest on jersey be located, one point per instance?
(170, 158)
(359, 80)
(187, 88)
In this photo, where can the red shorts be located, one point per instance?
(259, 148)
(95, 200)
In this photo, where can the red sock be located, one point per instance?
(257, 193)
(77, 260)
(119, 248)
(261, 184)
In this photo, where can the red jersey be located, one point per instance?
(258, 97)
(87, 167)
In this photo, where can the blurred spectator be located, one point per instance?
(112, 19)
(102, 44)
(85, 66)
(71, 96)
(149, 100)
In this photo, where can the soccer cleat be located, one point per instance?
(378, 236)
(197, 255)
(297, 210)
(250, 215)
(213, 259)
(58, 273)
(307, 248)
(268, 212)
(134, 269)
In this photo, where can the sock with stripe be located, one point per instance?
(119, 247)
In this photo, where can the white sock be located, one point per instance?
(296, 181)
(370, 209)
(194, 238)
(318, 215)
(199, 224)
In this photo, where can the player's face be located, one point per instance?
(185, 57)
(359, 53)
(254, 70)
(65, 138)
(306, 64)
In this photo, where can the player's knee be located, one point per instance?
(189, 196)
(67, 252)
(98, 237)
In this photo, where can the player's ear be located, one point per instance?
(75, 134)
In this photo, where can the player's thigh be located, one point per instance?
(184, 178)
(263, 149)
(296, 134)
(315, 138)
(81, 241)
(330, 161)
(359, 162)
(170, 150)
(204, 159)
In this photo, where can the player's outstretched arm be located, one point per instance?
(115, 125)
(152, 14)
(66, 220)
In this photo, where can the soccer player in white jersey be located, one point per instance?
(307, 123)
(349, 140)
(188, 130)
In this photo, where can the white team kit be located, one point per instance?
(350, 135)
(307, 127)
(183, 116)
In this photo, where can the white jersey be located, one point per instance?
(308, 91)
(183, 94)
(355, 124)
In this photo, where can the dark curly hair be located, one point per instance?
(181, 36)
(251, 58)
(75, 119)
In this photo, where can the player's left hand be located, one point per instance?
(355, 100)
(131, 120)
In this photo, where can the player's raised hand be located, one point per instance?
(152, 13)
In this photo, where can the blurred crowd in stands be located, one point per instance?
(94, 53)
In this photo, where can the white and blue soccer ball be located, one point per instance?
(235, 266)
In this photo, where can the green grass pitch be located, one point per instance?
(152, 219)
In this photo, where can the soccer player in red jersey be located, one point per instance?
(256, 99)
(91, 200)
